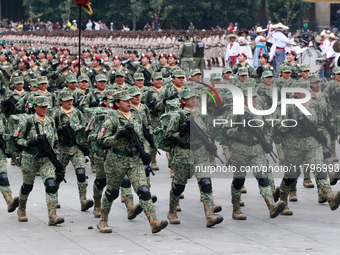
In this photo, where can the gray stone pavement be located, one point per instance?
(313, 228)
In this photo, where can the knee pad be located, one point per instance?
(205, 184)
(264, 182)
(4, 180)
(144, 193)
(289, 181)
(81, 176)
(126, 182)
(321, 173)
(100, 183)
(26, 188)
(238, 183)
(111, 194)
(178, 190)
(50, 186)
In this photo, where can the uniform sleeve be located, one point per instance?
(107, 133)
(20, 133)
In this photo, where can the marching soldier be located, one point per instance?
(71, 133)
(114, 137)
(26, 136)
(186, 53)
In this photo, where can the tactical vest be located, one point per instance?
(188, 50)
(199, 50)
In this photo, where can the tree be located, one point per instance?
(287, 11)
(137, 8)
(157, 6)
(65, 10)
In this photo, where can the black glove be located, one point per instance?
(2, 91)
(49, 89)
(65, 68)
(86, 151)
(269, 148)
(59, 177)
(54, 76)
(183, 129)
(60, 131)
(94, 104)
(151, 104)
(4, 102)
(43, 72)
(146, 159)
(172, 139)
(75, 104)
(78, 74)
(33, 143)
(121, 134)
(322, 138)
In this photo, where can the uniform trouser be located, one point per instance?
(280, 56)
(199, 64)
(249, 163)
(116, 167)
(100, 174)
(187, 66)
(29, 167)
(313, 158)
(327, 71)
(4, 187)
(78, 161)
(182, 172)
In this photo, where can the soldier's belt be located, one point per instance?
(184, 146)
(296, 133)
(32, 151)
(123, 153)
(248, 143)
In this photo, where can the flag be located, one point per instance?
(84, 4)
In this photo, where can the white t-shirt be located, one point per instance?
(89, 26)
(258, 42)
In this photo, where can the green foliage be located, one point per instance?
(287, 11)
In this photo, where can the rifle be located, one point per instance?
(93, 76)
(146, 73)
(305, 126)
(113, 78)
(54, 66)
(134, 141)
(129, 65)
(336, 96)
(197, 132)
(70, 137)
(330, 128)
(149, 138)
(45, 150)
(128, 81)
(106, 67)
(10, 102)
(152, 105)
(269, 100)
(173, 96)
(26, 86)
(7, 76)
(294, 75)
(256, 132)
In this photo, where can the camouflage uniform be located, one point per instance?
(186, 53)
(30, 165)
(236, 67)
(186, 158)
(282, 83)
(301, 148)
(5, 189)
(144, 90)
(118, 164)
(248, 153)
(69, 151)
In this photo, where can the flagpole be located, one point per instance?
(79, 49)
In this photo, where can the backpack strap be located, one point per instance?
(29, 126)
(57, 118)
(95, 96)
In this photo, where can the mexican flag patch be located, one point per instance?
(17, 131)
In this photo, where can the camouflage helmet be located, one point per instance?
(121, 95)
(157, 75)
(179, 73)
(286, 69)
(253, 90)
(267, 73)
(196, 71)
(242, 71)
(336, 70)
(138, 76)
(187, 93)
(215, 76)
(71, 78)
(134, 91)
(100, 77)
(226, 69)
(313, 78)
(65, 95)
(41, 101)
(108, 94)
(120, 73)
(83, 77)
(304, 68)
(18, 80)
(42, 79)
